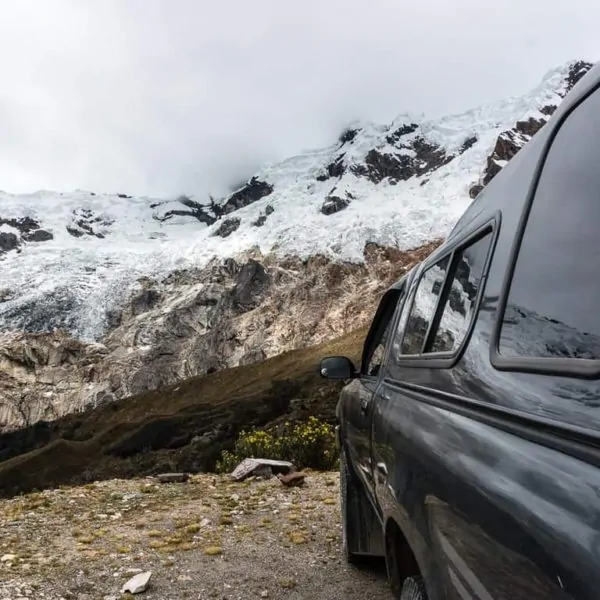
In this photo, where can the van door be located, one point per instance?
(357, 398)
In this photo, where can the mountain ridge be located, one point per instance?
(108, 296)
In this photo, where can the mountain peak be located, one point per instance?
(68, 259)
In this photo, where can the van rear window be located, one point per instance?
(553, 304)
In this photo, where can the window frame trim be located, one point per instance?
(446, 360)
(375, 322)
(571, 367)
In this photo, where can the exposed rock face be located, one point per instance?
(228, 226)
(24, 230)
(348, 135)
(334, 204)
(252, 192)
(403, 130)
(85, 222)
(468, 143)
(262, 218)
(8, 242)
(42, 375)
(511, 141)
(190, 208)
(230, 313)
(417, 157)
(334, 169)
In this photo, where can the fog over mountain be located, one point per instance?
(151, 97)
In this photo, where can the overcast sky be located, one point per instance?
(162, 97)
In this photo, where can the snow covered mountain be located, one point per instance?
(67, 260)
(107, 296)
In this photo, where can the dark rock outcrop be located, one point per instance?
(8, 242)
(262, 218)
(393, 137)
(425, 158)
(228, 226)
(252, 192)
(23, 225)
(576, 72)
(348, 135)
(511, 141)
(39, 235)
(334, 169)
(85, 222)
(334, 204)
(205, 214)
(29, 230)
(468, 143)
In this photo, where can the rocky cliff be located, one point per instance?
(103, 297)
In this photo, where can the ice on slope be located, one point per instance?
(85, 276)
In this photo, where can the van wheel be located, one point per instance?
(413, 588)
(348, 505)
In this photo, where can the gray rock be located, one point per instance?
(250, 466)
(173, 477)
(138, 583)
(227, 227)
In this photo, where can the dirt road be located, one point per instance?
(209, 538)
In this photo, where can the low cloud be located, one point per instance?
(161, 97)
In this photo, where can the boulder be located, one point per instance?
(138, 583)
(250, 466)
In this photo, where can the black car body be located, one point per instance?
(470, 433)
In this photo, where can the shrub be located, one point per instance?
(308, 444)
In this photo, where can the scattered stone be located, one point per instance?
(173, 477)
(138, 583)
(248, 467)
(293, 479)
(8, 558)
(264, 594)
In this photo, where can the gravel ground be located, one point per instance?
(205, 539)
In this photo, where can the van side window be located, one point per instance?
(553, 304)
(445, 301)
(423, 307)
(379, 333)
(462, 296)
(379, 351)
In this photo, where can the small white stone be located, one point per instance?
(8, 557)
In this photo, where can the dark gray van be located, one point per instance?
(470, 433)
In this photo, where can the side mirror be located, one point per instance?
(337, 367)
